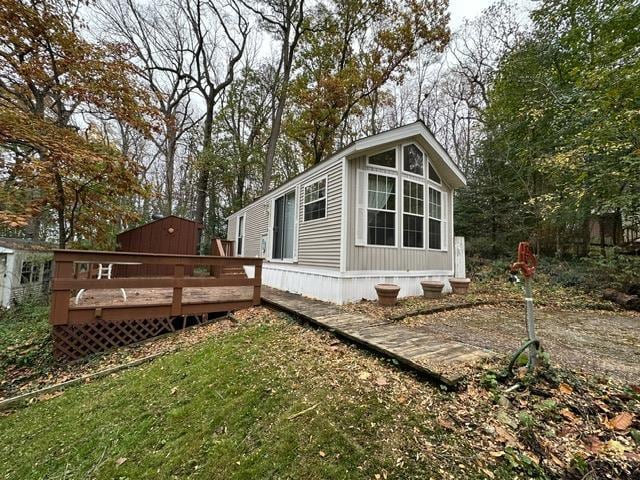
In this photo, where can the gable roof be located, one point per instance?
(199, 225)
(452, 173)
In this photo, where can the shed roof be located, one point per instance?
(199, 225)
(25, 245)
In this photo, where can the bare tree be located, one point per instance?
(216, 40)
(284, 19)
(155, 32)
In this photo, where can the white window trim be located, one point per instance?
(395, 211)
(425, 161)
(296, 217)
(377, 152)
(443, 220)
(244, 229)
(326, 195)
(425, 190)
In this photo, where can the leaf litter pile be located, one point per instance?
(558, 425)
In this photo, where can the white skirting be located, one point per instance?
(345, 287)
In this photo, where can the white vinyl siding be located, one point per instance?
(317, 242)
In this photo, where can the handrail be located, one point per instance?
(65, 277)
(93, 256)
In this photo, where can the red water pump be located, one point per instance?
(526, 264)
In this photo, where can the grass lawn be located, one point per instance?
(268, 398)
(25, 339)
(223, 410)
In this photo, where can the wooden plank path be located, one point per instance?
(441, 360)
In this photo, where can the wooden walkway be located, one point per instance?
(441, 360)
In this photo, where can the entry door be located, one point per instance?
(284, 226)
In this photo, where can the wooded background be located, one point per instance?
(113, 110)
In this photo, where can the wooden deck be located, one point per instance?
(161, 296)
(444, 361)
(103, 319)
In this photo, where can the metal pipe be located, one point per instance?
(531, 326)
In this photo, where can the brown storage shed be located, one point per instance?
(171, 235)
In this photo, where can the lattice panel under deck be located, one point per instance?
(75, 341)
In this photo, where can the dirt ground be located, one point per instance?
(600, 342)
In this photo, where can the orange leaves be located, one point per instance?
(622, 421)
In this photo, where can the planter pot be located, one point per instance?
(431, 289)
(459, 285)
(387, 293)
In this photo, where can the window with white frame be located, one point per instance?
(412, 214)
(386, 159)
(30, 272)
(240, 236)
(315, 200)
(437, 220)
(413, 160)
(381, 210)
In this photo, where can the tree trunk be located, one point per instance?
(277, 124)
(170, 174)
(203, 178)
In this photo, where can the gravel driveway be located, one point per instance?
(601, 342)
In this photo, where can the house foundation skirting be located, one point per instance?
(345, 287)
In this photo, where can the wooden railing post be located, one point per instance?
(176, 304)
(59, 312)
(257, 276)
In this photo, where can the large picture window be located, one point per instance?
(412, 214)
(435, 219)
(413, 160)
(381, 210)
(315, 200)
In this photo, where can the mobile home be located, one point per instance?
(378, 211)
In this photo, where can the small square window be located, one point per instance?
(315, 200)
(385, 159)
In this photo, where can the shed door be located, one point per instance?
(284, 226)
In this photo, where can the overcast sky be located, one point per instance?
(461, 9)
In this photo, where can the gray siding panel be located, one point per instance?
(319, 240)
(361, 258)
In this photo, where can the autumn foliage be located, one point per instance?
(56, 89)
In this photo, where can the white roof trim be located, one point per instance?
(395, 135)
(402, 133)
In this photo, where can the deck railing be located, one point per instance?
(66, 280)
(223, 248)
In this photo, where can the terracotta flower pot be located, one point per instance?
(459, 285)
(387, 293)
(432, 289)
